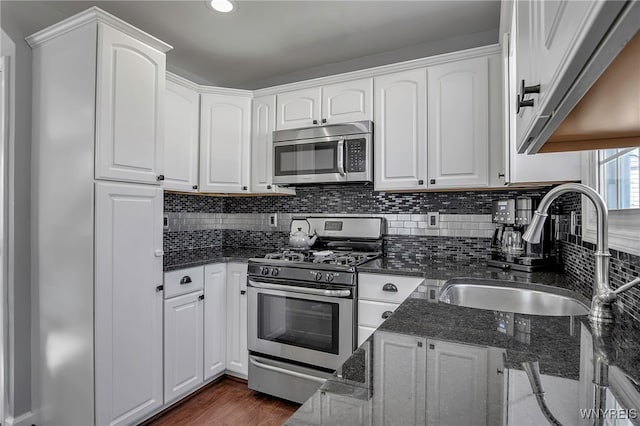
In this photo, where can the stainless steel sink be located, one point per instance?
(512, 296)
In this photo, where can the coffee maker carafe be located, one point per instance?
(508, 249)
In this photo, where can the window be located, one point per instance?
(615, 174)
(619, 181)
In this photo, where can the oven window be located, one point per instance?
(306, 159)
(299, 322)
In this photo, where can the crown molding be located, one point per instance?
(224, 91)
(383, 69)
(95, 14)
(175, 78)
(493, 49)
(203, 89)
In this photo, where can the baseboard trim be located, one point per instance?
(25, 419)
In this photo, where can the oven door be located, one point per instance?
(309, 161)
(288, 322)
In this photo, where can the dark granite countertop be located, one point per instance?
(197, 257)
(434, 363)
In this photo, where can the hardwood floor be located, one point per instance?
(228, 403)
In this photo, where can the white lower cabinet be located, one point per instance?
(378, 296)
(128, 308)
(215, 320)
(183, 337)
(456, 384)
(341, 410)
(399, 363)
(237, 354)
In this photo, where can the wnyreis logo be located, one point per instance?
(609, 413)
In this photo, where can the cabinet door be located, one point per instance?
(129, 108)
(459, 124)
(263, 118)
(128, 309)
(237, 354)
(298, 109)
(527, 120)
(181, 118)
(400, 148)
(399, 364)
(340, 409)
(456, 384)
(560, 28)
(523, 168)
(215, 320)
(350, 101)
(182, 345)
(225, 123)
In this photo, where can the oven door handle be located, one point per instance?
(304, 290)
(273, 368)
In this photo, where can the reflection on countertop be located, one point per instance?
(431, 363)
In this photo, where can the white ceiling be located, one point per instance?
(265, 43)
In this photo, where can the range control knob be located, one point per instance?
(318, 276)
(329, 277)
(264, 270)
(274, 271)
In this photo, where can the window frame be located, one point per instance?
(624, 225)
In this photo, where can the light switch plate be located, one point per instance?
(433, 220)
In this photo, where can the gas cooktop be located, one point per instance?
(327, 257)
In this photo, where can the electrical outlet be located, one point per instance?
(273, 220)
(433, 220)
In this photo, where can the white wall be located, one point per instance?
(19, 236)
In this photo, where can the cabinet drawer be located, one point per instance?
(370, 313)
(183, 281)
(386, 288)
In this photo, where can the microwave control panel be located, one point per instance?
(356, 155)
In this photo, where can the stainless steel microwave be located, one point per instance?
(324, 154)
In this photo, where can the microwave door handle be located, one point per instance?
(341, 157)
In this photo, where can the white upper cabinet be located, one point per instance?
(349, 101)
(263, 119)
(330, 104)
(458, 124)
(181, 136)
(129, 108)
(527, 119)
(561, 48)
(298, 109)
(225, 129)
(400, 143)
(523, 168)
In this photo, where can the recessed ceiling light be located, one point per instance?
(223, 6)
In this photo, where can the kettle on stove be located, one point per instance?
(302, 240)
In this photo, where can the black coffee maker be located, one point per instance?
(508, 249)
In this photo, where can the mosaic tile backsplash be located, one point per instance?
(578, 261)
(464, 231)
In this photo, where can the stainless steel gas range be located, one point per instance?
(302, 305)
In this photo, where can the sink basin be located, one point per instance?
(511, 296)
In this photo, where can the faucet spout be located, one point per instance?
(601, 311)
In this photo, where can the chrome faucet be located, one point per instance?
(603, 296)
